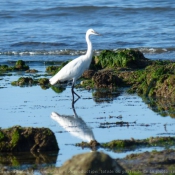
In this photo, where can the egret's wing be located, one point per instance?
(73, 69)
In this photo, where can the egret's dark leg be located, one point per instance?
(73, 92)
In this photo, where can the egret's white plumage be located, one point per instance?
(74, 69)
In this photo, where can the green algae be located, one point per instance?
(19, 66)
(24, 81)
(58, 89)
(120, 58)
(28, 81)
(15, 137)
(132, 144)
(54, 69)
(156, 80)
(18, 138)
(149, 142)
(2, 136)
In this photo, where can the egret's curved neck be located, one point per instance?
(89, 47)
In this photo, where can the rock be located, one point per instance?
(18, 139)
(155, 162)
(88, 74)
(43, 81)
(129, 58)
(106, 78)
(31, 71)
(24, 81)
(20, 65)
(91, 163)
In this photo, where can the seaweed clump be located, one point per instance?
(156, 80)
(127, 58)
(28, 81)
(133, 144)
(54, 69)
(19, 66)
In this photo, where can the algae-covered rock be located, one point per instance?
(55, 69)
(163, 106)
(58, 89)
(91, 163)
(106, 78)
(43, 81)
(24, 81)
(88, 74)
(20, 65)
(121, 58)
(155, 162)
(28, 81)
(31, 71)
(4, 68)
(156, 80)
(18, 139)
(133, 143)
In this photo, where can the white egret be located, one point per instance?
(74, 69)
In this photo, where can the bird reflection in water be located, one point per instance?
(76, 126)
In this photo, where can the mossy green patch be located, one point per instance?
(149, 142)
(121, 58)
(54, 69)
(58, 89)
(24, 81)
(2, 136)
(19, 66)
(15, 137)
(123, 145)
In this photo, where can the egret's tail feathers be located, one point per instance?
(53, 80)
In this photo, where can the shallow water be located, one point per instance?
(35, 107)
(38, 32)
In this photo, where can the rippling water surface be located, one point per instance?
(50, 28)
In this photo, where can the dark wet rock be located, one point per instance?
(93, 145)
(88, 74)
(91, 163)
(43, 81)
(106, 78)
(156, 80)
(58, 89)
(136, 143)
(121, 58)
(4, 68)
(155, 162)
(28, 81)
(18, 139)
(31, 71)
(163, 106)
(54, 69)
(20, 65)
(24, 81)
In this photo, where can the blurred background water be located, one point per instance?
(55, 30)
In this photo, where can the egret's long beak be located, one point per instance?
(96, 33)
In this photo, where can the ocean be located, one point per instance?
(55, 30)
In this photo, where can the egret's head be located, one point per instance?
(92, 32)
